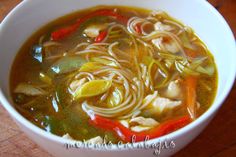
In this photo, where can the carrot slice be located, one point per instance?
(191, 95)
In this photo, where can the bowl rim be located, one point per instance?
(54, 138)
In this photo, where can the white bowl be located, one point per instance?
(30, 15)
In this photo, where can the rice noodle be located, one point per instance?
(134, 80)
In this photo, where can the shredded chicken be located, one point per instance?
(77, 84)
(139, 124)
(125, 123)
(95, 140)
(162, 104)
(67, 136)
(159, 26)
(173, 90)
(140, 128)
(149, 122)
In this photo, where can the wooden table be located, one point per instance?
(218, 139)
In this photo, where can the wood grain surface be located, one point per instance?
(217, 140)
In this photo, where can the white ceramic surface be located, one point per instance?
(30, 15)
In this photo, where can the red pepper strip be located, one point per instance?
(101, 37)
(64, 32)
(126, 134)
(138, 28)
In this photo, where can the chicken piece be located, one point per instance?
(146, 122)
(95, 140)
(159, 26)
(67, 136)
(160, 105)
(125, 123)
(173, 90)
(140, 128)
(149, 98)
(94, 30)
(169, 46)
(76, 84)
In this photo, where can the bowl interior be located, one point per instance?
(198, 14)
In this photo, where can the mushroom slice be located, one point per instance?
(146, 122)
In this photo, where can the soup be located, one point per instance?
(113, 73)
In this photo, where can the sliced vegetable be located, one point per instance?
(197, 62)
(161, 70)
(67, 64)
(147, 60)
(45, 78)
(163, 76)
(103, 61)
(127, 135)
(101, 37)
(195, 68)
(186, 43)
(208, 70)
(93, 88)
(185, 69)
(37, 52)
(29, 90)
(170, 56)
(90, 66)
(76, 84)
(191, 95)
(115, 32)
(190, 53)
(65, 32)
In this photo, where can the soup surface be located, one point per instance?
(113, 73)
